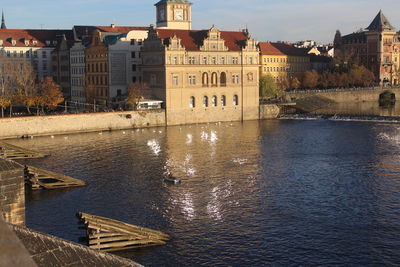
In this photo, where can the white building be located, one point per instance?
(124, 61)
(77, 61)
(34, 45)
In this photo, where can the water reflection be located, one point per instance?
(275, 193)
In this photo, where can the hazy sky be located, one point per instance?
(267, 20)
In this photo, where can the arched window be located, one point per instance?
(235, 100)
(214, 79)
(214, 101)
(223, 79)
(205, 79)
(192, 102)
(223, 101)
(205, 101)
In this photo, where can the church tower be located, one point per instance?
(3, 22)
(174, 14)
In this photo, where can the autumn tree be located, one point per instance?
(268, 86)
(5, 102)
(295, 83)
(310, 79)
(50, 94)
(136, 93)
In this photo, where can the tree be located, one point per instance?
(50, 93)
(5, 102)
(267, 86)
(310, 79)
(295, 83)
(136, 93)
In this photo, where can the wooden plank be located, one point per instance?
(112, 235)
(128, 243)
(37, 177)
(123, 225)
(14, 152)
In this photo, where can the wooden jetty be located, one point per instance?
(12, 152)
(39, 179)
(111, 235)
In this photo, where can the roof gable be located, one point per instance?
(380, 23)
(193, 40)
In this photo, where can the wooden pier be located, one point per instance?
(12, 152)
(111, 235)
(39, 179)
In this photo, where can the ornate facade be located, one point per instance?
(203, 76)
(377, 48)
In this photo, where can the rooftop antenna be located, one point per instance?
(41, 26)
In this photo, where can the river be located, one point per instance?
(268, 193)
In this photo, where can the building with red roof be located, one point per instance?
(283, 61)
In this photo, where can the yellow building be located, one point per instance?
(202, 76)
(283, 61)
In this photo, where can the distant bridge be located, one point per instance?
(346, 95)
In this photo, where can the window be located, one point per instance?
(191, 60)
(27, 54)
(222, 60)
(223, 79)
(223, 101)
(205, 101)
(235, 78)
(134, 79)
(175, 60)
(192, 102)
(132, 41)
(214, 79)
(44, 54)
(192, 79)
(175, 80)
(214, 60)
(21, 54)
(251, 60)
(134, 67)
(205, 79)
(153, 79)
(214, 101)
(133, 54)
(235, 100)
(205, 60)
(235, 60)
(139, 41)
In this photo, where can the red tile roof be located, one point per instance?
(41, 36)
(281, 49)
(192, 40)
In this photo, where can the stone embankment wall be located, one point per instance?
(269, 111)
(76, 123)
(345, 95)
(12, 192)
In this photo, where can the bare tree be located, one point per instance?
(136, 93)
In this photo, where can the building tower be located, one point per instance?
(3, 23)
(380, 38)
(174, 14)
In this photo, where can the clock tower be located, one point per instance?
(174, 14)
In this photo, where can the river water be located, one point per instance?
(269, 193)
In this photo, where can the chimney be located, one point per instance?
(112, 25)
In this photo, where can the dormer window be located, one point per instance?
(48, 43)
(1, 42)
(34, 42)
(26, 42)
(13, 42)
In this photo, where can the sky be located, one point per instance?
(267, 20)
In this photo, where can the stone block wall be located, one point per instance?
(12, 192)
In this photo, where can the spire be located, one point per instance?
(380, 23)
(3, 23)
